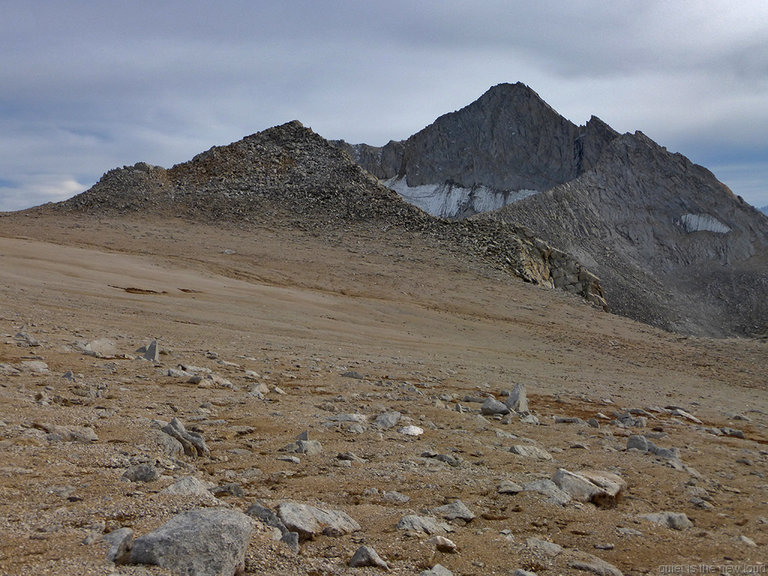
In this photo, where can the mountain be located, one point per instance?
(764, 210)
(290, 177)
(672, 245)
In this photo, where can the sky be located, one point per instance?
(91, 85)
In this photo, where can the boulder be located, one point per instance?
(203, 542)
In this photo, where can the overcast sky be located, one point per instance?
(86, 86)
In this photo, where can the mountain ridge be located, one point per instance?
(289, 176)
(659, 230)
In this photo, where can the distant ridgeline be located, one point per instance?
(672, 245)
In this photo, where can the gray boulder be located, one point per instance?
(193, 443)
(413, 523)
(491, 407)
(517, 401)
(367, 556)
(455, 510)
(199, 542)
(310, 521)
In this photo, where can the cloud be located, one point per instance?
(90, 85)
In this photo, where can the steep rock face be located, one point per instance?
(508, 143)
(290, 176)
(672, 245)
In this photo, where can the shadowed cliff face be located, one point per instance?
(672, 245)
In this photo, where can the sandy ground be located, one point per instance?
(430, 332)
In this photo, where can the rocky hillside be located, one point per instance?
(288, 176)
(660, 232)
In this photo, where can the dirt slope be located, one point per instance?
(427, 332)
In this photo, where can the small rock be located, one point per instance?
(230, 489)
(748, 541)
(517, 400)
(520, 572)
(674, 520)
(191, 487)
(120, 544)
(151, 352)
(454, 510)
(595, 565)
(683, 414)
(411, 431)
(732, 432)
(367, 556)
(413, 523)
(492, 407)
(568, 420)
(436, 570)
(142, 473)
(442, 544)
(530, 452)
(509, 487)
(550, 489)
(193, 443)
(395, 497)
(26, 339)
(544, 547)
(310, 521)
(352, 374)
(387, 420)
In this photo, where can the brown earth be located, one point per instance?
(429, 331)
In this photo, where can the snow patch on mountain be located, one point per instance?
(453, 201)
(703, 223)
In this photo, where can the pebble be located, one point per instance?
(413, 523)
(411, 430)
(436, 570)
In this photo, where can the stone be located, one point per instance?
(200, 542)
(229, 489)
(509, 487)
(310, 521)
(521, 572)
(411, 431)
(575, 485)
(673, 520)
(414, 523)
(55, 433)
(34, 366)
(436, 570)
(683, 414)
(100, 348)
(491, 407)
(260, 512)
(732, 432)
(394, 497)
(442, 544)
(142, 473)
(549, 549)
(191, 487)
(529, 451)
(517, 401)
(169, 446)
(367, 556)
(309, 447)
(387, 420)
(454, 510)
(601, 488)
(193, 443)
(549, 489)
(151, 352)
(26, 339)
(120, 543)
(594, 565)
(747, 540)
(637, 442)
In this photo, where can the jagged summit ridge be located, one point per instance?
(507, 144)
